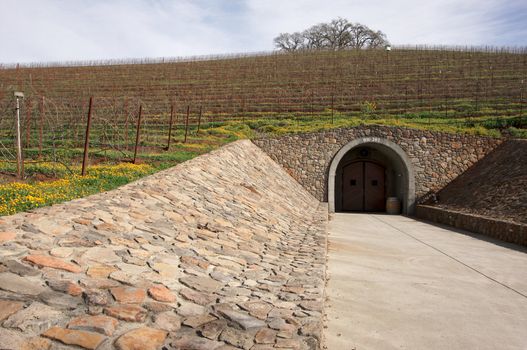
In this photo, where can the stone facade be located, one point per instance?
(437, 157)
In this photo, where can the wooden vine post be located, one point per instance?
(199, 118)
(126, 117)
(19, 156)
(41, 127)
(521, 104)
(186, 124)
(332, 108)
(87, 140)
(170, 126)
(28, 123)
(138, 133)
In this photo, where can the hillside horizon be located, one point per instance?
(242, 54)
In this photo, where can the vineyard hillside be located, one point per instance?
(460, 82)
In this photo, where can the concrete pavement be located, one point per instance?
(397, 283)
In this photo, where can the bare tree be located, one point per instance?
(364, 37)
(336, 35)
(315, 37)
(377, 40)
(289, 42)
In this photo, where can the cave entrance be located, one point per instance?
(367, 171)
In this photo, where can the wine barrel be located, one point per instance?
(393, 205)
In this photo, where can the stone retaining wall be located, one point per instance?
(225, 251)
(504, 230)
(437, 157)
(489, 198)
(495, 187)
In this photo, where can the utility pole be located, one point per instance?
(19, 160)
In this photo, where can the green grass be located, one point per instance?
(483, 125)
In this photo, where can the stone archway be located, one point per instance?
(393, 153)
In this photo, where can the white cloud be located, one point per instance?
(404, 21)
(50, 30)
(72, 30)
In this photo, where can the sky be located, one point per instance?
(73, 30)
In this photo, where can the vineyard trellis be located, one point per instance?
(440, 82)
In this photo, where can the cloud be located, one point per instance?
(449, 22)
(73, 30)
(56, 30)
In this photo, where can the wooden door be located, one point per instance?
(363, 187)
(374, 194)
(353, 187)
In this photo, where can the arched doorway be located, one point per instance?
(365, 172)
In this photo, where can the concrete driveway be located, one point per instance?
(397, 283)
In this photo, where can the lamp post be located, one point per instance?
(19, 160)
(387, 48)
